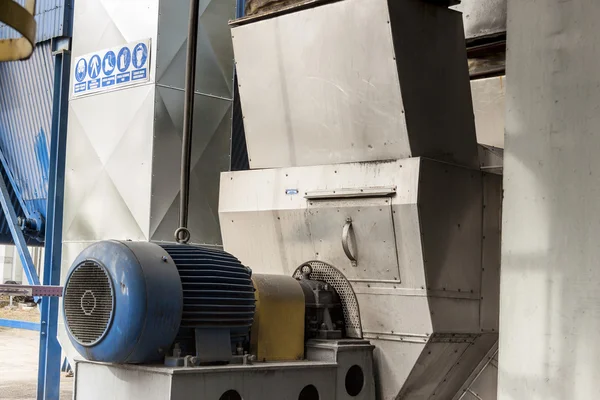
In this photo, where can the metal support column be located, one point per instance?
(50, 350)
(239, 8)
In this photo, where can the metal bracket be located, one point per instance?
(32, 290)
(61, 45)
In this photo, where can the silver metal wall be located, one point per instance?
(365, 88)
(550, 313)
(212, 117)
(489, 109)
(124, 146)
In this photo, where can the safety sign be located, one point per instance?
(112, 68)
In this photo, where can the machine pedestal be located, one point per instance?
(337, 369)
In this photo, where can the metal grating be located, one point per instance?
(217, 288)
(88, 303)
(321, 271)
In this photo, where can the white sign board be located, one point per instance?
(112, 68)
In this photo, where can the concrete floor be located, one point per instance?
(19, 365)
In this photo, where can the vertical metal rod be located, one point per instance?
(182, 234)
(50, 350)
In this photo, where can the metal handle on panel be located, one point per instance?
(348, 193)
(345, 244)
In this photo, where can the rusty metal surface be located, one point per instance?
(254, 7)
(32, 290)
(20, 18)
(50, 18)
(483, 18)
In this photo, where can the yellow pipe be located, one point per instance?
(20, 19)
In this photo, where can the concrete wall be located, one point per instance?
(550, 297)
(7, 269)
(11, 268)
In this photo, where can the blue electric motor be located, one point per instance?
(129, 302)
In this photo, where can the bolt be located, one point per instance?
(165, 259)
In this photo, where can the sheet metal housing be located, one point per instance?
(394, 86)
(124, 146)
(427, 270)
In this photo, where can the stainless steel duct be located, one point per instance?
(124, 146)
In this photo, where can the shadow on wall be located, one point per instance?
(550, 314)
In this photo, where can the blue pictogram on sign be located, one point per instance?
(80, 70)
(94, 66)
(140, 55)
(109, 63)
(112, 68)
(123, 59)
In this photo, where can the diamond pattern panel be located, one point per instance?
(80, 180)
(214, 75)
(100, 24)
(109, 166)
(210, 156)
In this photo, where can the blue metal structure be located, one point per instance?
(50, 350)
(239, 9)
(33, 116)
(9, 323)
(25, 119)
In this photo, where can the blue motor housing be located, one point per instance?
(128, 302)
